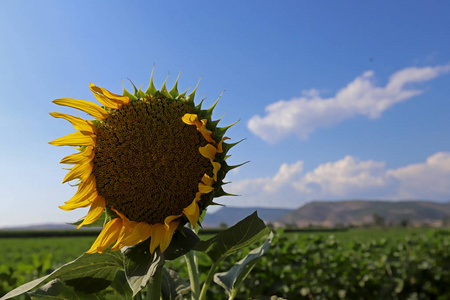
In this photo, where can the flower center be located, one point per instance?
(147, 163)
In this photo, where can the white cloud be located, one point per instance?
(301, 116)
(428, 180)
(347, 178)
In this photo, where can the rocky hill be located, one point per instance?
(232, 215)
(359, 212)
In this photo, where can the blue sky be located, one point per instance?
(336, 100)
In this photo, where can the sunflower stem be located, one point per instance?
(154, 286)
(192, 265)
(209, 277)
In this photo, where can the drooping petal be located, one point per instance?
(157, 236)
(204, 131)
(169, 219)
(208, 151)
(82, 171)
(141, 232)
(205, 189)
(88, 107)
(86, 155)
(216, 168)
(205, 186)
(107, 98)
(207, 180)
(107, 236)
(124, 233)
(219, 145)
(75, 139)
(126, 222)
(192, 212)
(96, 210)
(167, 235)
(78, 123)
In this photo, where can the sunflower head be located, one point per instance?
(152, 161)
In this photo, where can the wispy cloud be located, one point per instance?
(301, 116)
(348, 178)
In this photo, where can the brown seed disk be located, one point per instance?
(147, 163)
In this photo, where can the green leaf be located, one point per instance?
(120, 285)
(173, 286)
(98, 267)
(56, 289)
(182, 243)
(140, 265)
(233, 278)
(246, 232)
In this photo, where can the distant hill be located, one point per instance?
(232, 215)
(359, 212)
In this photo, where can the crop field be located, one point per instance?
(354, 264)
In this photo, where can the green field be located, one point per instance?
(396, 263)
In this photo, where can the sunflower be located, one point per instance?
(151, 161)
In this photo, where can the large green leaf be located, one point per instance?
(140, 265)
(233, 278)
(56, 289)
(245, 233)
(173, 286)
(121, 287)
(182, 242)
(88, 267)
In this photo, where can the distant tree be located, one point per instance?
(378, 220)
(445, 220)
(223, 225)
(405, 222)
(291, 226)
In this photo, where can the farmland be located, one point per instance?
(397, 263)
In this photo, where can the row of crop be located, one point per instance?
(414, 267)
(315, 267)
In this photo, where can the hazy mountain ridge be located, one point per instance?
(232, 215)
(321, 213)
(359, 212)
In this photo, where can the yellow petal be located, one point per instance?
(86, 155)
(157, 235)
(167, 235)
(204, 131)
(205, 189)
(141, 232)
(192, 212)
(118, 98)
(207, 180)
(85, 190)
(109, 234)
(190, 119)
(198, 196)
(75, 139)
(216, 168)
(219, 146)
(126, 222)
(88, 107)
(78, 123)
(208, 151)
(169, 219)
(107, 98)
(96, 210)
(82, 171)
(82, 203)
